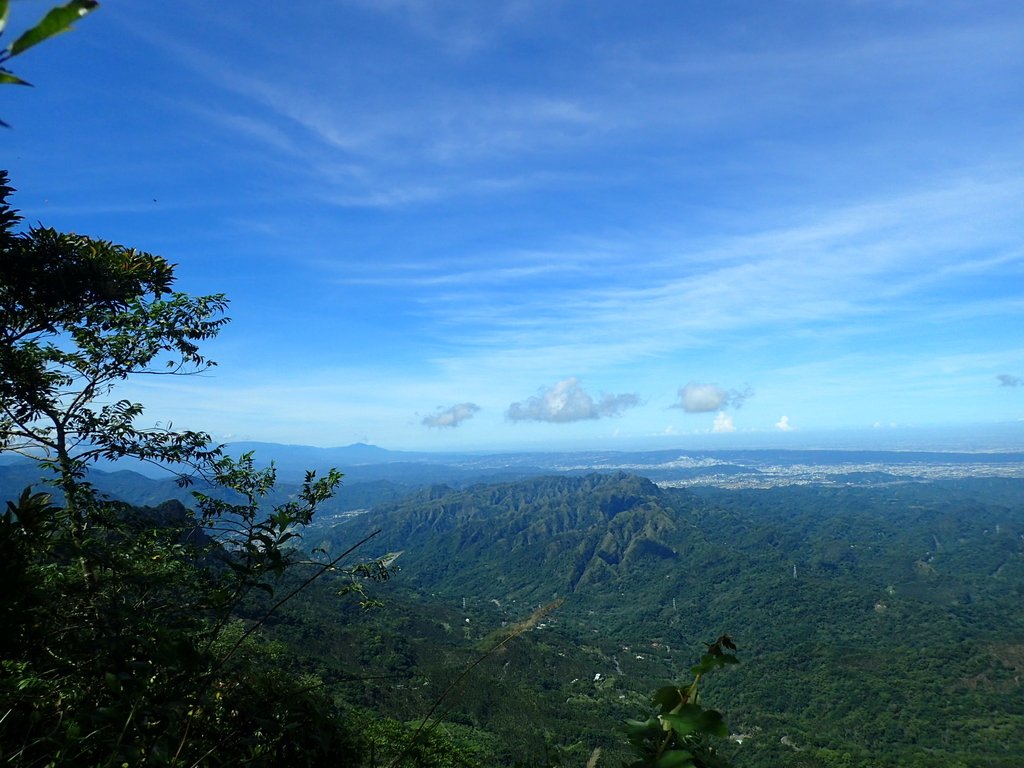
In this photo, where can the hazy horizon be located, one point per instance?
(996, 438)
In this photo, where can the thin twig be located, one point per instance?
(522, 627)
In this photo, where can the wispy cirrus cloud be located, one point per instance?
(477, 200)
(402, 141)
(777, 281)
(457, 28)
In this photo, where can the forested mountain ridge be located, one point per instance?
(555, 536)
(575, 530)
(141, 490)
(876, 622)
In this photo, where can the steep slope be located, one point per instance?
(873, 622)
(530, 540)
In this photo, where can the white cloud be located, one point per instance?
(784, 425)
(700, 398)
(704, 398)
(723, 423)
(451, 417)
(567, 401)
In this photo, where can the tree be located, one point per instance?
(77, 317)
(59, 19)
(120, 642)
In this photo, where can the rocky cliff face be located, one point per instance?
(546, 536)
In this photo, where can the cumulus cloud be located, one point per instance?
(783, 425)
(568, 401)
(723, 423)
(704, 398)
(452, 417)
(1009, 380)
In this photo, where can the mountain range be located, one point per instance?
(875, 597)
(875, 620)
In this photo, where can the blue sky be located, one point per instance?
(448, 225)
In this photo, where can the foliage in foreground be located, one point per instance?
(57, 20)
(122, 637)
(679, 735)
(119, 643)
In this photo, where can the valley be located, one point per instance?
(873, 621)
(875, 599)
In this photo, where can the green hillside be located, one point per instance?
(877, 626)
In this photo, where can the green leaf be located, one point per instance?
(28, 683)
(642, 726)
(58, 20)
(674, 758)
(668, 698)
(693, 719)
(6, 78)
(708, 662)
(4, 8)
(683, 725)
